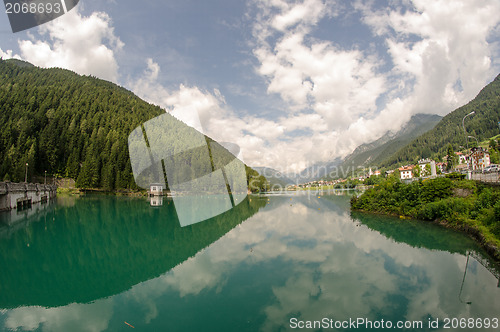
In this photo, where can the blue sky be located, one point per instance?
(291, 82)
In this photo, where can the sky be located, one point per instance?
(291, 82)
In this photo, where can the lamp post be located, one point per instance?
(477, 142)
(470, 156)
(465, 132)
(26, 174)
(45, 179)
(463, 280)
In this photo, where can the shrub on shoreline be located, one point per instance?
(458, 203)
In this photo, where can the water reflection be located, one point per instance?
(100, 247)
(303, 257)
(156, 200)
(75, 317)
(12, 220)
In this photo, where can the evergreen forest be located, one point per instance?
(72, 126)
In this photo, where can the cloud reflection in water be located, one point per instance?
(332, 267)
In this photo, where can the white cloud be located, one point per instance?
(194, 106)
(86, 45)
(263, 142)
(309, 11)
(147, 86)
(8, 54)
(440, 60)
(333, 89)
(327, 90)
(311, 121)
(439, 48)
(340, 85)
(208, 112)
(91, 317)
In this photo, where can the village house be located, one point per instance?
(406, 172)
(156, 189)
(427, 171)
(441, 167)
(462, 158)
(370, 173)
(480, 158)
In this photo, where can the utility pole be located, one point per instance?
(465, 131)
(466, 138)
(477, 142)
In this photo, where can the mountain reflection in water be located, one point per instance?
(300, 255)
(100, 246)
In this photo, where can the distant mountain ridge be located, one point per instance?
(368, 154)
(365, 155)
(372, 154)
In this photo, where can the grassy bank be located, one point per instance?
(68, 191)
(117, 192)
(451, 201)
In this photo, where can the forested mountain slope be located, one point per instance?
(371, 154)
(70, 125)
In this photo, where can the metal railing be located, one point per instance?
(490, 177)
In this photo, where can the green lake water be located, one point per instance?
(272, 263)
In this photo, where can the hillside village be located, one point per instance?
(477, 161)
(432, 153)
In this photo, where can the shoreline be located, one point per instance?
(82, 191)
(470, 230)
(119, 192)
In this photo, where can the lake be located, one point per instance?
(272, 263)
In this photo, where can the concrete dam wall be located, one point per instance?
(20, 195)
